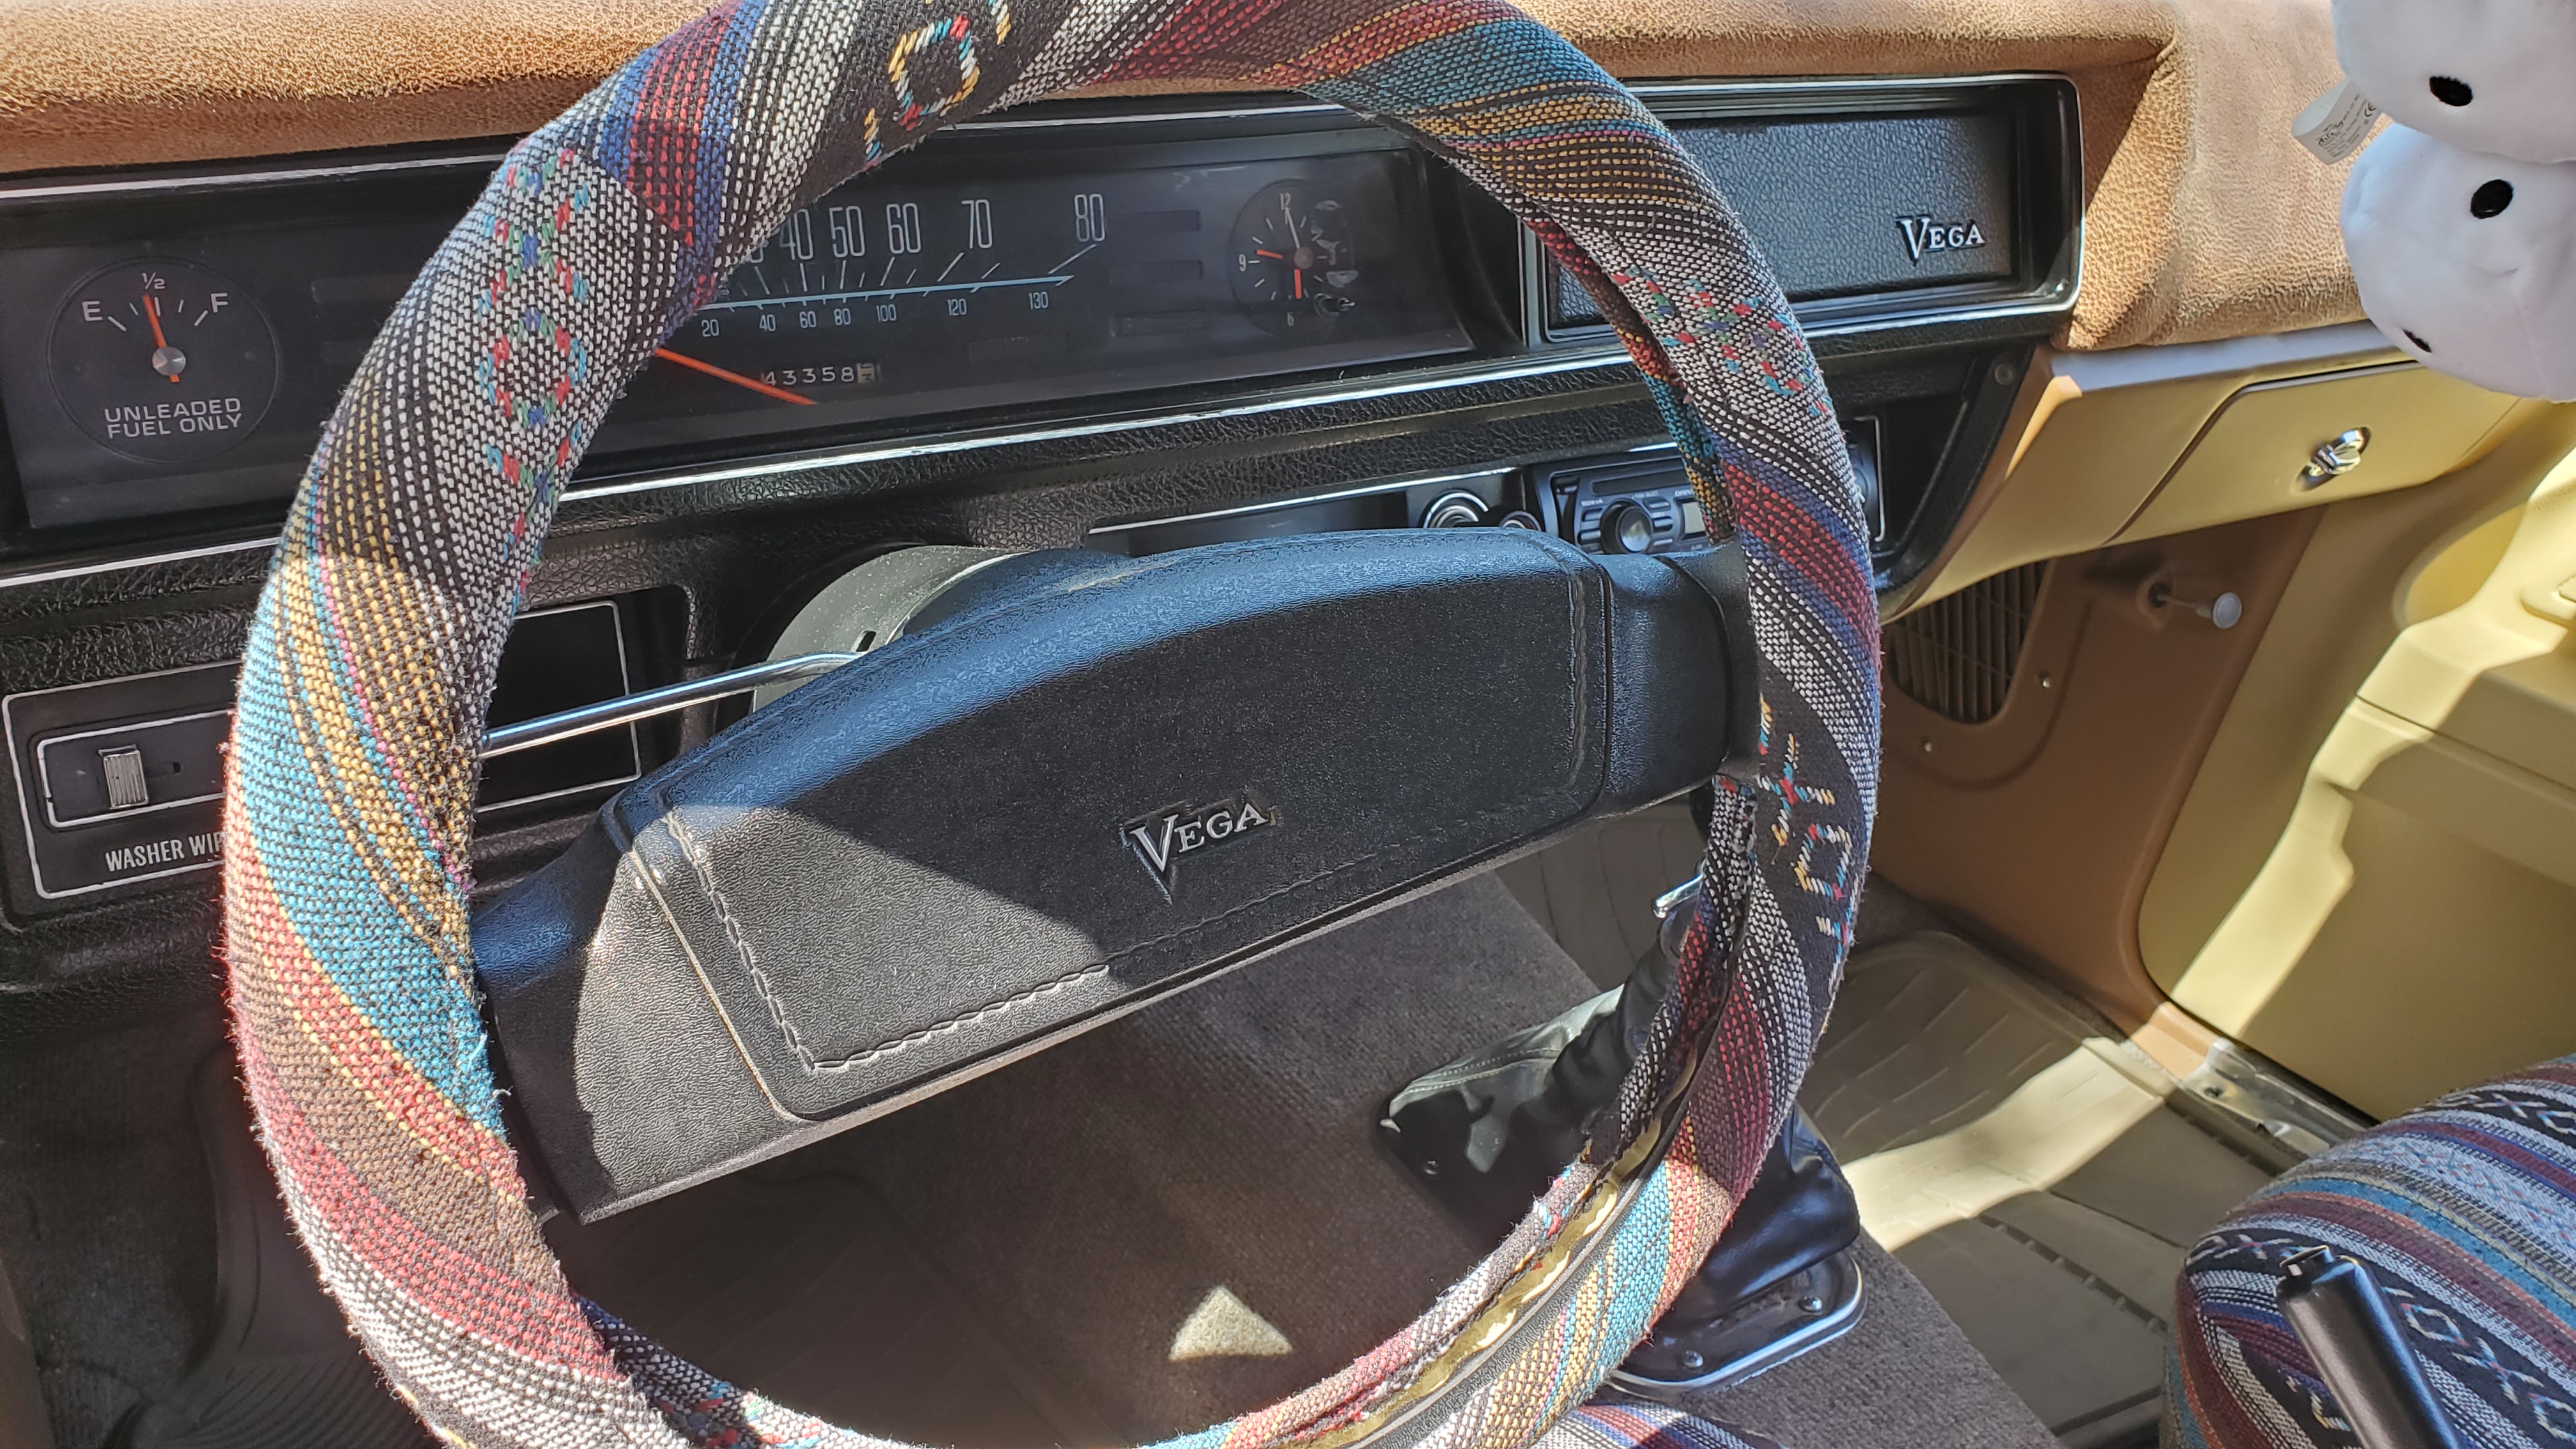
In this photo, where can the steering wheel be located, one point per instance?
(370, 664)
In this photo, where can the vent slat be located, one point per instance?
(1957, 657)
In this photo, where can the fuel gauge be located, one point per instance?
(162, 360)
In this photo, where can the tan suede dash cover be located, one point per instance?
(2204, 218)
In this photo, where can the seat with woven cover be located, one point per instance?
(2465, 1210)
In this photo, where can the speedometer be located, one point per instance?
(993, 289)
(849, 290)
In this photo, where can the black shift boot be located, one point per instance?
(1488, 1132)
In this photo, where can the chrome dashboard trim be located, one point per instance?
(1933, 316)
(934, 445)
(1556, 362)
(1775, 85)
(922, 447)
(57, 573)
(122, 185)
(1569, 360)
(1249, 111)
(1302, 500)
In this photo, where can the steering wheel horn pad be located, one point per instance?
(1020, 823)
(349, 809)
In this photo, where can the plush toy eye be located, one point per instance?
(2491, 199)
(2452, 92)
(2420, 344)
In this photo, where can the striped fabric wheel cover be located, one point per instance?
(2465, 1211)
(1629, 1424)
(371, 658)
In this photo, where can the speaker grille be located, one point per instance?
(1956, 657)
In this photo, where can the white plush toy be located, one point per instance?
(2460, 220)
(2468, 262)
(2497, 76)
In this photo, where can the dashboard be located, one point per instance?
(1129, 326)
(191, 334)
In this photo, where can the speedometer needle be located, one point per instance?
(736, 378)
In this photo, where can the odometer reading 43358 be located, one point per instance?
(163, 361)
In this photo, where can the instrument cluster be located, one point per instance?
(182, 370)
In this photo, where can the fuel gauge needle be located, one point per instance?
(736, 378)
(166, 359)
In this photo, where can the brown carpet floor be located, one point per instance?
(1178, 1217)
(1904, 1376)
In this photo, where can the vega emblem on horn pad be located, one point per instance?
(1163, 837)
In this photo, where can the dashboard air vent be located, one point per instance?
(1956, 657)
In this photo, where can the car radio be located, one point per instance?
(1642, 502)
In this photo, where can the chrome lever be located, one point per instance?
(646, 704)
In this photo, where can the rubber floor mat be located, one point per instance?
(1595, 890)
(2024, 1163)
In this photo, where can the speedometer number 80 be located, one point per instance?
(1090, 217)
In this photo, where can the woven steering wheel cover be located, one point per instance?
(370, 661)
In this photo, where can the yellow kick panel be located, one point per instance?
(2414, 927)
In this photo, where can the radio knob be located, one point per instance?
(1626, 528)
(1459, 509)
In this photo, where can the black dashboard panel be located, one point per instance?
(190, 333)
(1871, 200)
